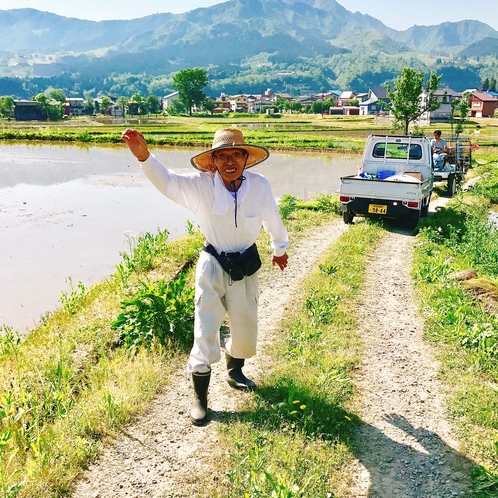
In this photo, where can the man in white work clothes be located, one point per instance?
(231, 205)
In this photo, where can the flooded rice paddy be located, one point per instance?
(66, 213)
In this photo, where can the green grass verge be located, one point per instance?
(70, 382)
(462, 317)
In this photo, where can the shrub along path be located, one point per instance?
(163, 455)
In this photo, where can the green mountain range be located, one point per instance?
(248, 45)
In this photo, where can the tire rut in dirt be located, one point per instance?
(405, 445)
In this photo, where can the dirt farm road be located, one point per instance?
(405, 447)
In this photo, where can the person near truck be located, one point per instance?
(439, 150)
(231, 205)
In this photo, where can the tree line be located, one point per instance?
(407, 101)
(489, 84)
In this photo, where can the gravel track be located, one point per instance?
(404, 448)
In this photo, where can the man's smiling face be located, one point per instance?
(230, 162)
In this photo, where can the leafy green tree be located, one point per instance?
(296, 106)
(57, 95)
(190, 84)
(7, 107)
(317, 107)
(50, 110)
(492, 84)
(153, 105)
(328, 103)
(282, 104)
(286, 106)
(122, 103)
(105, 104)
(407, 102)
(89, 105)
(208, 105)
(485, 84)
(176, 107)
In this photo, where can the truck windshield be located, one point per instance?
(397, 151)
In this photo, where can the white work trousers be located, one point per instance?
(216, 295)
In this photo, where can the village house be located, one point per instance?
(239, 103)
(350, 110)
(27, 110)
(346, 98)
(336, 110)
(257, 104)
(445, 97)
(361, 97)
(374, 103)
(285, 96)
(167, 100)
(74, 106)
(115, 111)
(328, 96)
(222, 104)
(304, 99)
(483, 105)
(21, 61)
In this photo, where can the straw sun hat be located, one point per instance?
(229, 138)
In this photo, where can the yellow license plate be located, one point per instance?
(377, 209)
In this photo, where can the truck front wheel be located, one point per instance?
(348, 217)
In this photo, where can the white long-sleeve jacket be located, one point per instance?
(214, 206)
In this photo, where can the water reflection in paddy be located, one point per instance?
(66, 211)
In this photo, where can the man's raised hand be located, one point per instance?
(136, 143)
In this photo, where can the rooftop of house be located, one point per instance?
(379, 92)
(484, 96)
(26, 103)
(447, 91)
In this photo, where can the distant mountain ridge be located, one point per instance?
(31, 30)
(28, 30)
(449, 37)
(245, 44)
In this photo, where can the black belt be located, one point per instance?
(237, 264)
(230, 255)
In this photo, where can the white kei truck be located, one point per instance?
(395, 180)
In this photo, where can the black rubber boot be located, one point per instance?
(198, 412)
(236, 377)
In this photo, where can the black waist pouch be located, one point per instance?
(237, 265)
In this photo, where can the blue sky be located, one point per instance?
(397, 14)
